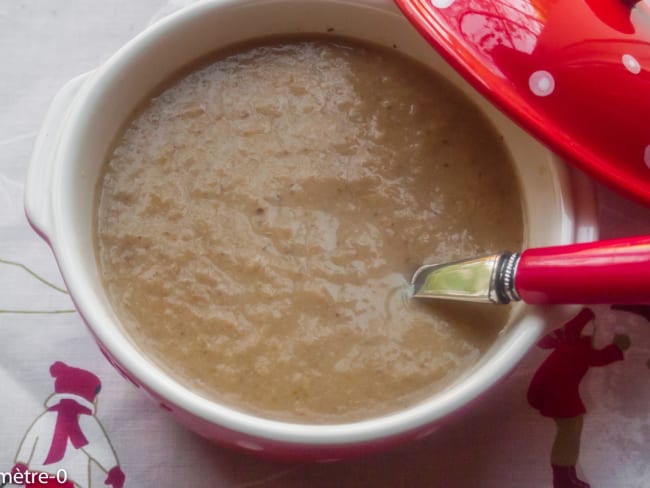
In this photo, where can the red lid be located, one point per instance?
(575, 73)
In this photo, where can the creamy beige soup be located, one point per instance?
(259, 220)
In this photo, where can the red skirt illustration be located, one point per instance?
(554, 389)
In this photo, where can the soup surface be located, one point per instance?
(259, 220)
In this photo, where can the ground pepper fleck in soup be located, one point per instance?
(259, 219)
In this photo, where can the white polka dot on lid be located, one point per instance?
(441, 3)
(541, 83)
(631, 64)
(646, 156)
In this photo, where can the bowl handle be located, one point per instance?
(38, 197)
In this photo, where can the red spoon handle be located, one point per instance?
(613, 271)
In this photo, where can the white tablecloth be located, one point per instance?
(501, 443)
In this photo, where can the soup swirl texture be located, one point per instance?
(258, 221)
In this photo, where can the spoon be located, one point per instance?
(605, 272)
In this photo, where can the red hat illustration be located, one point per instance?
(569, 332)
(75, 381)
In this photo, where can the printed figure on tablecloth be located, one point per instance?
(67, 437)
(554, 390)
(640, 310)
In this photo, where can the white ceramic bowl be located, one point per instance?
(87, 115)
